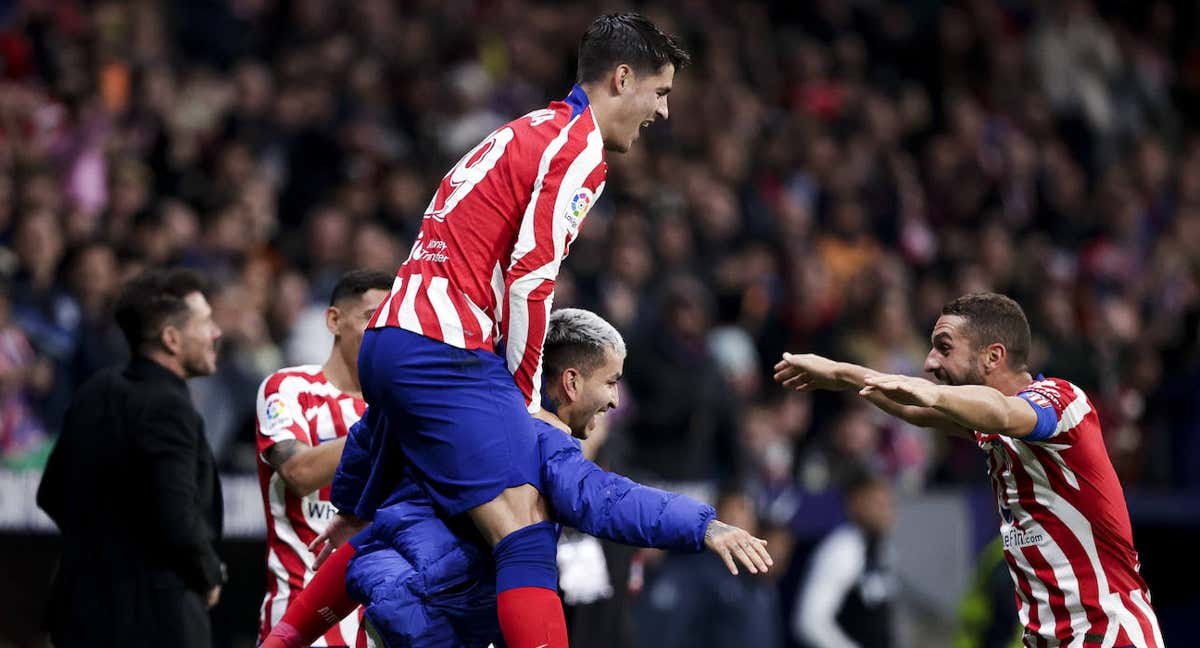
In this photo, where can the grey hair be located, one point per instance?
(578, 338)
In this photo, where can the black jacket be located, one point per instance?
(133, 487)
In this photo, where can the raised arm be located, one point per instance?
(974, 407)
(810, 372)
(613, 507)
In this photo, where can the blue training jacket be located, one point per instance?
(427, 581)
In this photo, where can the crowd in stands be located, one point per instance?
(831, 173)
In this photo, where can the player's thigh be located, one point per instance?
(459, 418)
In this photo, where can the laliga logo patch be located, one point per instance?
(580, 203)
(276, 410)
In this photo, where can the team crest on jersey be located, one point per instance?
(580, 203)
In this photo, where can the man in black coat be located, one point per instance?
(132, 484)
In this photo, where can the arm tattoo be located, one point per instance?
(279, 453)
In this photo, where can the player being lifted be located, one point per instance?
(1064, 524)
(456, 400)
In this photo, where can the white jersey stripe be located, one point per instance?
(408, 305)
(283, 590)
(1054, 451)
(1144, 606)
(1073, 414)
(498, 292)
(381, 311)
(1113, 606)
(1053, 554)
(1023, 520)
(526, 241)
(517, 331)
(518, 293)
(452, 327)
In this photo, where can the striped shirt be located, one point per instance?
(485, 262)
(1066, 530)
(299, 404)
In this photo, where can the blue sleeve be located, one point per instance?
(1047, 417)
(354, 469)
(368, 472)
(616, 508)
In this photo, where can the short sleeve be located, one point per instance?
(280, 417)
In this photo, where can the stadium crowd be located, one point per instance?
(831, 174)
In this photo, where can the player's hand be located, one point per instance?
(341, 528)
(905, 390)
(808, 372)
(730, 542)
(213, 596)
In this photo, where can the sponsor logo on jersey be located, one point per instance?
(1017, 538)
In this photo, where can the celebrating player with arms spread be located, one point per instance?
(483, 268)
(1066, 530)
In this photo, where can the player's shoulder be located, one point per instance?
(538, 128)
(554, 440)
(293, 380)
(1060, 392)
(309, 373)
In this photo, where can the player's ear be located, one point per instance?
(572, 383)
(171, 338)
(996, 354)
(623, 78)
(333, 315)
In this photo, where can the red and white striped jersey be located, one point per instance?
(299, 404)
(1066, 530)
(484, 265)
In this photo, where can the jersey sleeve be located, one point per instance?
(1057, 405)
(568, 179)
(279, 415)
(613, 507)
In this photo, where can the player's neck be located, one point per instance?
(600, 104)
(343, 377)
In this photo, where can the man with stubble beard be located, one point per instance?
(132, 484)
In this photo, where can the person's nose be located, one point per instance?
(931, 362)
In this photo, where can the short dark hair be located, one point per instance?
(994, 318)
(629, 38)
(154, 299)
(355, 283)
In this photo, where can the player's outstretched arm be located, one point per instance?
(613, 507)
(973, 407)
(810, 372)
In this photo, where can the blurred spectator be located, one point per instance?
(846, 600)
(690, 600)
(688, 437)
(831, 174)
(23, 376)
